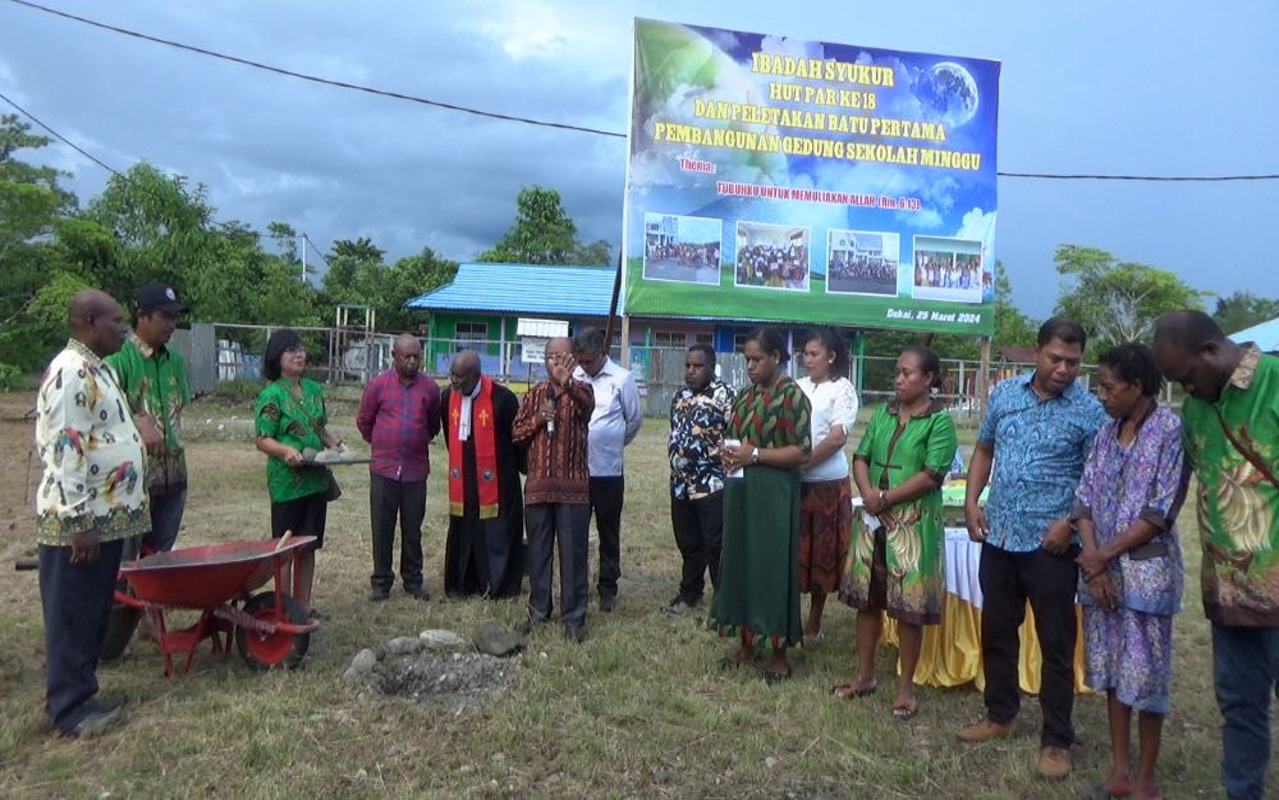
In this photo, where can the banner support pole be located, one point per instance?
(983, 376)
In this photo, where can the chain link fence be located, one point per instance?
(220, 353)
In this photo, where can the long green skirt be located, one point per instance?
(759, 560)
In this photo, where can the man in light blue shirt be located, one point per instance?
(1033, 442)
(614, 424)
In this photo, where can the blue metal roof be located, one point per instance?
(1265, 334)
(523, 289)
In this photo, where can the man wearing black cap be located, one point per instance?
(154, 380)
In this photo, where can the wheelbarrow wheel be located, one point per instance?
(264, 651)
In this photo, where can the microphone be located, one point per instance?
(550, 400)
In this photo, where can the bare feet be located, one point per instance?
(737, 658)
(904, 706)
(1118, 785)
(1146, 791)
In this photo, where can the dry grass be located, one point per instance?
(638, 710)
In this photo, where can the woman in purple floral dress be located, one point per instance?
(1130, 565)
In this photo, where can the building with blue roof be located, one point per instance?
(481, 309)
(1265, 335)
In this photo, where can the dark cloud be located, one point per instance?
(340, 164)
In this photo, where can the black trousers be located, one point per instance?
(568, 526)
(1049, 582)
(389, 499)
(699, 527)
(77, 602)
(607, 494)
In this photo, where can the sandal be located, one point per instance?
(845, 691)
(730, 663)
(772, 678)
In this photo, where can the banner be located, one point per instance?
(783, 180)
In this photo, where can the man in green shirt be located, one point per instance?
(1230, 422)
(154, 379)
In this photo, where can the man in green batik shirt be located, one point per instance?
(154, 379)
(1230, 422)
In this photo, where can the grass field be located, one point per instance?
(639, 710)
(728, 301)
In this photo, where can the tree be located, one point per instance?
(32, 276)
(357, 276)
(598, 253)
(543, 232)
(410, 277)
(1243, 310)
(286, 240)
(1012, 327)
(164, 230)
(1116, 301)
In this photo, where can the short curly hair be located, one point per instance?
(1134, 362)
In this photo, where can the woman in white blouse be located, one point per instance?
(826, 493)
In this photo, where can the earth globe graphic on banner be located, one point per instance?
(948, 93)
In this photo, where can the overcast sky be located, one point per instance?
(1087, 87)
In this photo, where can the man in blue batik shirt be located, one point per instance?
(1032, 446)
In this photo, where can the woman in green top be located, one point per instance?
(290, 418)
(895, 563)
(758, 590)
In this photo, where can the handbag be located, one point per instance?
(335, 490)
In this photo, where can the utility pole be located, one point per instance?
(302, 237)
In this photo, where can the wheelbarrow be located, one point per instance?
(270, 628)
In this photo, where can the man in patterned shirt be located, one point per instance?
(154, 380)
(699, 413)
(552, 425)
(92, 497)
(1230, 423)
(1033, 442)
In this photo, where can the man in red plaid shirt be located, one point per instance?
(399, 416)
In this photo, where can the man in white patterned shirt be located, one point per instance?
(91, 499)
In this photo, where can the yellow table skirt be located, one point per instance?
(951, 652)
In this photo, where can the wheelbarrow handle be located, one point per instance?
(27, 564)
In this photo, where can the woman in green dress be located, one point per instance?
(289, 418)
(765, 444)
(895, 563)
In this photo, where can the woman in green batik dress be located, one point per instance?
(289, 418)
(758, 591)
(895, 563)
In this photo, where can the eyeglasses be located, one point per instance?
(296, 350)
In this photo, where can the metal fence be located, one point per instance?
(217, 353)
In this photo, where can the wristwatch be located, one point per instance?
(755, 455)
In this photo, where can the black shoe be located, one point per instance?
(94, 723)
(608, 602)
(680, 606)
(379, 596)
(107, 704)
(418, 593)
(575, 633)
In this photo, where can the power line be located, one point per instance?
(319, 79)
(307, 239)
(226, 226)
(62, 138)
(562, 125)
(1167, 178)
(526, 120)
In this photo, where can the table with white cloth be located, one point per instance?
(951, 651)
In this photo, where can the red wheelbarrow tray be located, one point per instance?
(210, 578)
